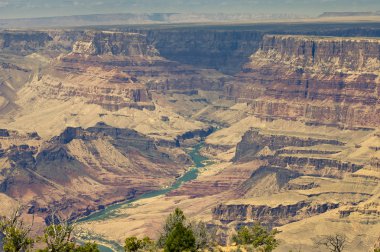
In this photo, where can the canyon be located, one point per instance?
(287, 115)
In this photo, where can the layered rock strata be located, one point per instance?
(83, 170)
(318, 79)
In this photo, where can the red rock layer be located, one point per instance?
(325, 80)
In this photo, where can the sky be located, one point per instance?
(48, 8)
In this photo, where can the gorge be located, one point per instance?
(91, 117)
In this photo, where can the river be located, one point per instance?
(110, 212)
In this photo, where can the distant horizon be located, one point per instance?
(184, 13)
(23, 9)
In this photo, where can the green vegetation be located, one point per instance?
(204, 237)
(16, 233)
(177, 235)
(180, 238)
(132, 244)
(56, 237)
(257, 236)
(171, 222)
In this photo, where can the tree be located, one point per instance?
(171, 221)
(87, 247)
(204, 238)
(58, 237)
(257, 236)
(177, 234)
(148, 244)
(333, 243)
(132, 244)
(16, 233)
(180, 239)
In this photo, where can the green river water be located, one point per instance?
(111, 211)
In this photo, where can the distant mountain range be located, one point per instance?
(130, 18)
(349, 14)
(158, 18)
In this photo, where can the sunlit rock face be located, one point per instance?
(82, 169)
(321, 79)
(114, 43)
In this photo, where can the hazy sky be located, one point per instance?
(44, 8)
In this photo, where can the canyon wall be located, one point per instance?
(270, 216)
(23, 42)
(225, 51)
(224, 48)
(317, 79)
(114, 43)
(82, 170)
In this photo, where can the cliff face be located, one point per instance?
(23, 42)
(82, 169)
(322, 54)
(255, 142)
(324, 80)
(117, 70)
(94, 71)
(301, 154)
(114, 43)
(225, 50)
(272, 216)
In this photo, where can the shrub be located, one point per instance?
(16, 233)
(133, 244)
(180, 239)
(258, 237)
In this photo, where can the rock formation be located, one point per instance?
(322, 80)
(82, 170)
(94, 117)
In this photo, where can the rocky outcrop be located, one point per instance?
(200, 134)
(320, 166)
(273, 216)
(371, 210)
(114, 43)
(91, 71)
(4, 133)
(111, 94)
(23, 42)
(254, 141)
(117, 70)
(275, 150)
(321, 79)
(275, 178)
(84, 169)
